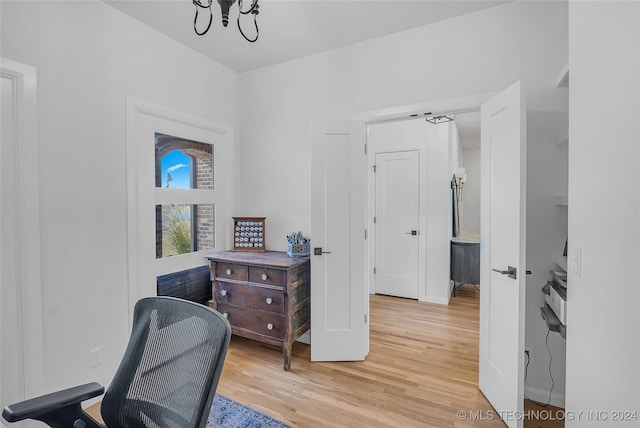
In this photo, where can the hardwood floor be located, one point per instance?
(422, 371)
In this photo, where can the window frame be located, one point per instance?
(144, 120)
(193, 155)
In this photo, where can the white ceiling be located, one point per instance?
(292, 28)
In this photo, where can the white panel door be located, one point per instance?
(339, 299)
(502, 228)
(397, 217)
(11, 381)
(21, 344)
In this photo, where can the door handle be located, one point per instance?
(317, 251)
(413, 233)
(510, 272)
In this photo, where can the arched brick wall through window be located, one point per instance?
(201, 156)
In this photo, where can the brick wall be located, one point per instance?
(201, 156)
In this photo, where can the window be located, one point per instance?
(182, 168)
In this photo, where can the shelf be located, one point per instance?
(560, 278)
(552, 321)
(562, 263)
(562, 80)
(561, 200)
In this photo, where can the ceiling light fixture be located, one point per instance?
(439, 119)
(225, 5)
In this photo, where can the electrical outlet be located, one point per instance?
(95, 356)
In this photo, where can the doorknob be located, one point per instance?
(413, 233)
(317, 251)
(510, 272)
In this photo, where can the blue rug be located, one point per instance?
(226, 413)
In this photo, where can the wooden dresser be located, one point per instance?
(265, 296)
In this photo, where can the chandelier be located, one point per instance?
(225, 5)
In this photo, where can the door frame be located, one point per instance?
(371, 207)
(28, 266)
(397, 114)
(420, 214)
(142, 116)
(451, 105)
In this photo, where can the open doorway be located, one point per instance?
(412, 205)
(503, 226)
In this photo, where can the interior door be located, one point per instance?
(503, 243)
(397, 217)
(21, 338)
(11, 370)
(339, 298)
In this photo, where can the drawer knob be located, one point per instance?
(269, 326)
(223, 293)
(269, 300)
(264, 276)
(226, 315)
(228, 271)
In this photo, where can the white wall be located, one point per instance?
(89, 56)
(471, 190)
(82, 86)
(603, 339)
(546, 234)
(476, 53)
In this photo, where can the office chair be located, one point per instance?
(167, 377)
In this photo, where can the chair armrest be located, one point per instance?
(36, 407)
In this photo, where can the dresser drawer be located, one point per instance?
(253, 320)
(231, 271)
(267, 299)
(262, 275)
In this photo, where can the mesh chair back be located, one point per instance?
(171, 367)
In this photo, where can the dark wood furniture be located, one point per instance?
(465, 262)
(265, 296)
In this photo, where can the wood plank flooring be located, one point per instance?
(422, 371)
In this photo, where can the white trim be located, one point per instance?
(28, 232)
(140, 114)
(400, 113)
(417, 111)
(437, 300)
(422, 209)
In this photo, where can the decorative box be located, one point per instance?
(249, 233)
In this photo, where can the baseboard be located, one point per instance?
(437, 300)
(542, 396)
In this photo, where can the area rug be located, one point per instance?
(226, 413)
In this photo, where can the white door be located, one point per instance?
(21, 340)
(502, 228)
(12, 388)
(339, 298)
(7, 271)
(396, 221)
